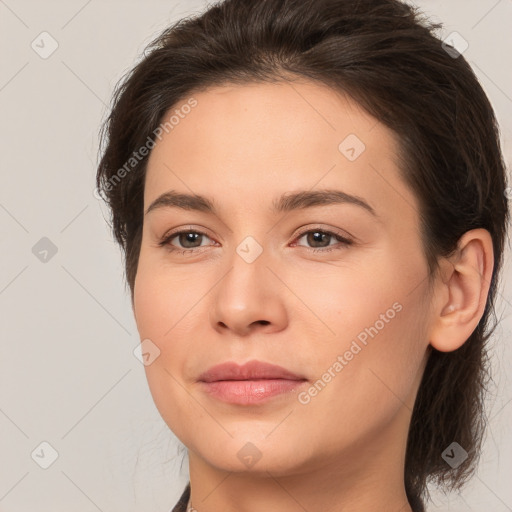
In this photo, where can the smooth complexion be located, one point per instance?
(243, 147)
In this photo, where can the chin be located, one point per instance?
(250, 454)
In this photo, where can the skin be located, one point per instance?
(243, 146)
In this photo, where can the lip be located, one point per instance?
(252, 370)
(252, 383)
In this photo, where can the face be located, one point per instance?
(330, 287)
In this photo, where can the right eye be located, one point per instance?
(185, 237)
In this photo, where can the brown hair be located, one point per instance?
(386, 56)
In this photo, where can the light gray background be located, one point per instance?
(67, 372)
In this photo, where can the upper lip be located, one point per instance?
(248, 371)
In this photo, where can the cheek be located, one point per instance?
(340, 301)
(158, 308)
(373, 316)
(164, 299)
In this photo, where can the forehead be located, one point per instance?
(260, 116)
(259, 138)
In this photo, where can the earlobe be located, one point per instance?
(463, 295)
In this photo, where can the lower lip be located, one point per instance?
(246, 392)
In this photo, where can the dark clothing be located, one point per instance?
(181, 506)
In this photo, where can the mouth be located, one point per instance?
(255, 382)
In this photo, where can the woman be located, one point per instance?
(310, 197)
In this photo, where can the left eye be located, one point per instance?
(319, 235)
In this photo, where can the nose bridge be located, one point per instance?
(250, 250)
(248, 270)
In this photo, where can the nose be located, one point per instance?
(249, 298)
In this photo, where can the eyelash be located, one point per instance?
(167, 238)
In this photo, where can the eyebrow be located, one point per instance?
(285, 203)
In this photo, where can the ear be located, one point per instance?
(460, 299)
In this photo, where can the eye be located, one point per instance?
(323, 238)
(190, 240)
